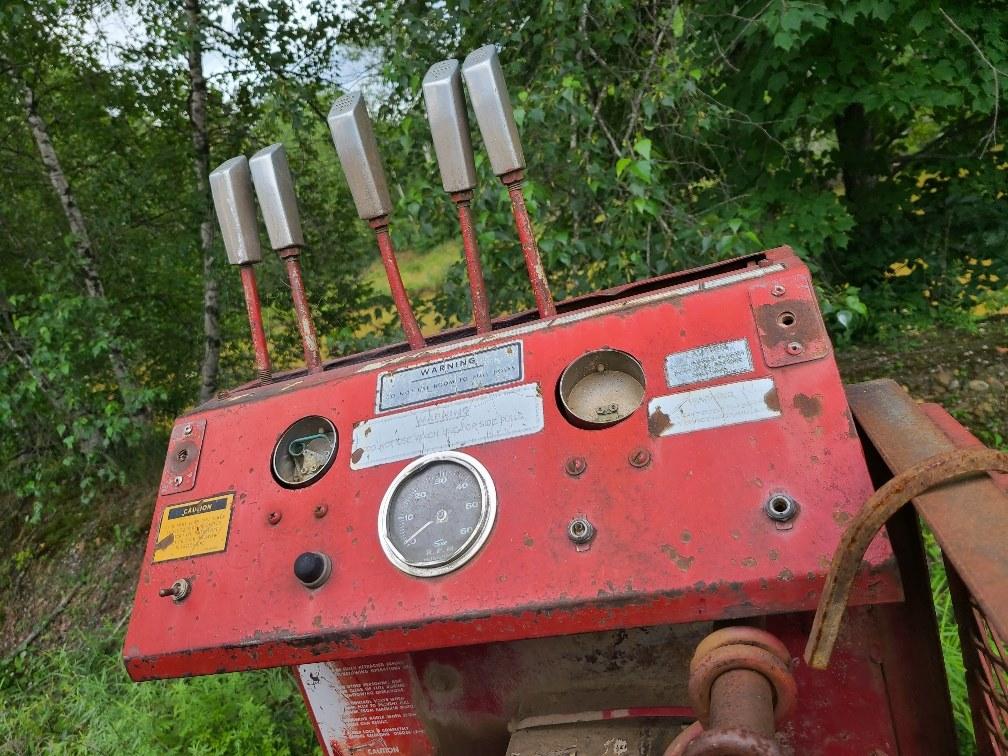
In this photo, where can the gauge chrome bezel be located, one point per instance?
(330, 427)
(488, 515)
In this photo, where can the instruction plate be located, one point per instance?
(714, 407)
(449, 377)
(709, 362)
(194, 528)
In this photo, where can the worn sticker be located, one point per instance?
(709, 362)
(713, 407)
(194, 528)
(450, 377)
(507, 413)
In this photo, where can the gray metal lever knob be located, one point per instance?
(275, 189)
(449, 125)
(489, 97)
(231, 187)
(354, 138)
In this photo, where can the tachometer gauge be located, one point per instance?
(304, 452)
(437, 513)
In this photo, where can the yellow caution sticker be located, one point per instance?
(194, 528)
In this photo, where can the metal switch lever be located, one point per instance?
(354, 138)
(489, 97)
(231, 188)
(449, 124)
(275, 188)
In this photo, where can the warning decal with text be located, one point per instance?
(194, 528)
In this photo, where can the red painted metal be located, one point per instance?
(409, 323)
(474, 270)
(533, 261)
(254, 309)
(291, 257)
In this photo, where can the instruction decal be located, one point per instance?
(713, 407)
(194, 528)
(708, 363)
(451, 376)
(507, 413)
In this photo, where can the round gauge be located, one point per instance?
(304, 452)
(437, 513)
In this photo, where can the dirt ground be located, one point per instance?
(86, 582)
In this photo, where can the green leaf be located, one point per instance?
(678, 23)
(621, 165)
(643, 148)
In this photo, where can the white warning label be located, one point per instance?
(713, 407)
(709, 362)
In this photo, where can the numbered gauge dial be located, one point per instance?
(304, 452)
(437, 513)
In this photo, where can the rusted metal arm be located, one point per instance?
(900, 431)
(264, 368)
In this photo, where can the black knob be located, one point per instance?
(312, 568)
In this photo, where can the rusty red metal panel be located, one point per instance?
(968, 518)
(683, 538)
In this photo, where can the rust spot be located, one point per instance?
(658, 422)
(802, 326)
(841, 518)
(165, 542)
(749, 562)
(686, 537)
(785, 575)
(772, 400)
(808, 406)
(356, 456)
(528, 541)
(774, 555)
(682, 562)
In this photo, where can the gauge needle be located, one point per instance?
(422, 529)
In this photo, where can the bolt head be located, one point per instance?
(187, 430)
(795, 348)
(575, 466)
(177, 481)
(580, 530)
(640, 458)
(274, 517)
(320, 511)
(778, 290)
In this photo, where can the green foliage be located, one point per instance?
(80, 701)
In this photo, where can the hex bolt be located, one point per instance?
(575, 466)
(177, 481)
(640, 458)
(187, 430)
(580, 530)
(780, 507)
(178, 590)
(778, 290)
(320, 511)
(795, 348)
(274, 517)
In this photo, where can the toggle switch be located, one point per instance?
(312, 568)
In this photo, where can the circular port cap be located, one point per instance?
(312, 568)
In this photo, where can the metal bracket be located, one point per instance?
(184, 449)
(788, 320)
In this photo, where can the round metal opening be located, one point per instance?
(305, 451)
(600, 388)
(786, 319)
(781, 507)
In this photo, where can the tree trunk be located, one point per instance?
(201, 161)
(85, 254)
(858, 158)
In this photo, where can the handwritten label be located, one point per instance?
(450, 377)
(507, 413)
(714, 407)
(709, 362)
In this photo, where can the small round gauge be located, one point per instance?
(437, 513)
(304, 452)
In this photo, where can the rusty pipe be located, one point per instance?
(474, 270)
(254, 309)
(530, 250)
(399, 296)
(291, 257)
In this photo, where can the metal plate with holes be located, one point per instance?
(182, 462)
(787, 316)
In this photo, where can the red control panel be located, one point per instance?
(675, 452)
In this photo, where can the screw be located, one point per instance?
(178, 590)
(274, 517)
(321, 510)
(640, 458)
(177, 481)
(187, 430)
(778, 290)
(575, 466)
(795, 348)
(781, 507)
(580, 531)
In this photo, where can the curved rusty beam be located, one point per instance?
(883, 504)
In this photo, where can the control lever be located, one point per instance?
(231, 187)
(489, 97)
(354, 138)
(275, 188)
(449, 124)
